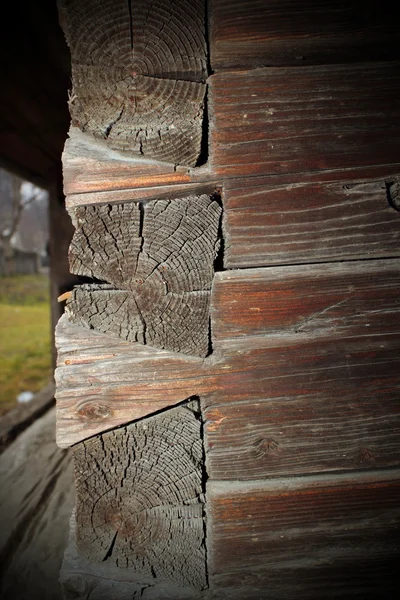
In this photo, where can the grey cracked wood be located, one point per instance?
(158, 260)
(139, 72)
(140, 504)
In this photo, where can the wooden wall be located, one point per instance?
(300, 393)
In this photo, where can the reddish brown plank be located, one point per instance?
(256, 33)
(300, 222)
(351, 298)
(289, 120)
(103, 383)
(311, 537)
(304, 433)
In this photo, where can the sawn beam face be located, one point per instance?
(158, 260)
(139, 74)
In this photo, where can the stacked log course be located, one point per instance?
(228, 370)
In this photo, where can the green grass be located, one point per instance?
(25, 349)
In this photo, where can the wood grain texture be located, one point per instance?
(291, 120)
(158, 260)
(304, 433)
(300, 222)
(139, 74)
(103, 383)
(301, 431)
(165, 192)
(80, 578)
(350, 298)
(140, 503)
(256, 33)
(311, 537)
(89, 165)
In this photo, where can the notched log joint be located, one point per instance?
(158, 261)
(140, 501)
(139, 75)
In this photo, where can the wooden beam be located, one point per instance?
(301, 221)
(141, 508)
(158, 261)
(139, 75)
(291, 120)
(256, 33)
(306, 537)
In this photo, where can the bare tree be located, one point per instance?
(16, 199)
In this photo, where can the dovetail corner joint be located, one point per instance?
(139, 75)
(158, 261)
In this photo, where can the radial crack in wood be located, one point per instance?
(158, 260)
(138, 73)
(140, 498)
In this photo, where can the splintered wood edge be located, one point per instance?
(142, 194)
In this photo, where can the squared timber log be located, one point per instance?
(139, 75)
(158, 259)
(256, 33)
(302, 219)
(291, 120)
(140, 504)
(306, 538)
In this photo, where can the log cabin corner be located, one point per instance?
(228, 360)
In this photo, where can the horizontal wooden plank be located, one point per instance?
(328, 420)
(298, 222)
(351, 298)
(266, 122)
(289, 120)
(90, 166)
(103, 383)
(289, 32)
(371, 577)
(316, 537)
(141, 194)
(307, 433)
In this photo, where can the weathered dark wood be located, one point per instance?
(300, 222)
(290, 120)
(311, 537)
(347, 423)
(81, 578)
(139, 503)
(103, 383)
(256, 33)
(349, 298)
(307, 433)
(159, 259)
(139, 75)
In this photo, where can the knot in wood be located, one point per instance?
(94, 411)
